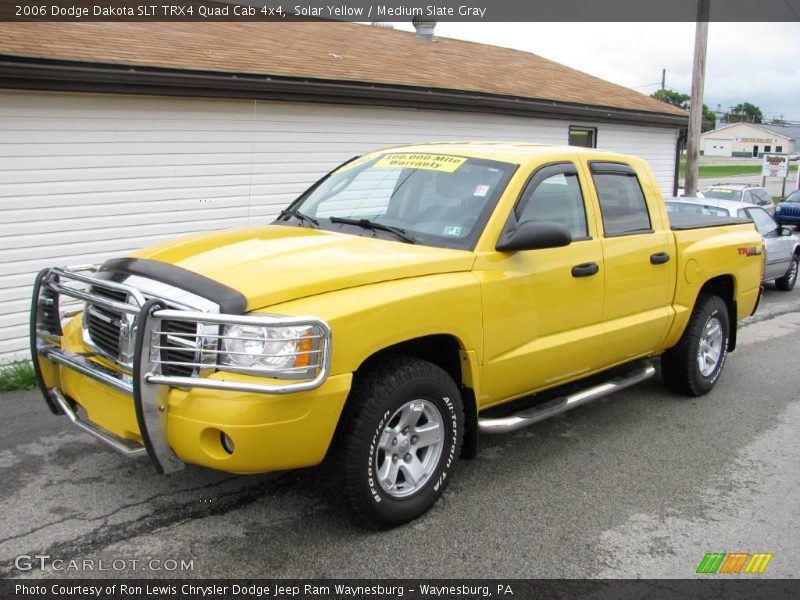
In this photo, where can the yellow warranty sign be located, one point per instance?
(430, 162)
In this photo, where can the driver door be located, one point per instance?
(543, 308)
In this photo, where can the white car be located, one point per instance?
(782, 246)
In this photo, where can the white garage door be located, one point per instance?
(85, 177)
(713, 147)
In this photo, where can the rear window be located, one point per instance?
(684, 208)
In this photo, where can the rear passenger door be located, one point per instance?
(640, 263)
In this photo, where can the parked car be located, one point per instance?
(788, 211)
(782, 246)
(388, 310)
(741, 192)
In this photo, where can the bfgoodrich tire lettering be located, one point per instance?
(401, 434)
(694, 365)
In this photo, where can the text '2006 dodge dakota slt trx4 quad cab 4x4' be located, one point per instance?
(388, 309)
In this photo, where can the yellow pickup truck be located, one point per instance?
(411, 299)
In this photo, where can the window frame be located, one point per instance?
(605, 167)
(541, 173)
(582, 128)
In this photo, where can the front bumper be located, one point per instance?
(176, 419)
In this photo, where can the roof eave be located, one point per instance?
(42, 74)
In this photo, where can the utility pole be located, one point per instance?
(696, 109)
(663, 79)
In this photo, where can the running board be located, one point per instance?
(556, 406)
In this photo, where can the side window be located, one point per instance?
(585, 137)
(622, 202)
(762, 197)
(556, 198)
(748, 197)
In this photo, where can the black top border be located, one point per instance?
(422, 11)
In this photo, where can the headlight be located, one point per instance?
(281, 351)
(778, 208)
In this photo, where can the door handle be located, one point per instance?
(585, 270)
(659, 258)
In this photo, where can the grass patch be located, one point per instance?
(18, 375)
(709, 171)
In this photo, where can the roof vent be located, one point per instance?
(382, 24)
(424, 28)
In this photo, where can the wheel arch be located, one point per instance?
(724, 286)
(448, 352)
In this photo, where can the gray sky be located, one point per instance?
(746, 62)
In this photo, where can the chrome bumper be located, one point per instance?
(147, 385)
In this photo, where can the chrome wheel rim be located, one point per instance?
(710, 349)
(410, 448)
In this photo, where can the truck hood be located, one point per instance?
(274, 263)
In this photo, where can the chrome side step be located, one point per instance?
(556, 406)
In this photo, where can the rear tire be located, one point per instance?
(786, 283)
(693, 366)
(400, 437)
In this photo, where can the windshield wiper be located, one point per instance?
(293, 212)
(374, 225)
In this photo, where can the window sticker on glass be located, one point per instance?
(453, 230)
(429, 162)
(481, 191)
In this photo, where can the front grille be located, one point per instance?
(103, 324)
(175, 350)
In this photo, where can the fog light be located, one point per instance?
(226, 441)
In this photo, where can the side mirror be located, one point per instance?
(785, 231)
(534, 235)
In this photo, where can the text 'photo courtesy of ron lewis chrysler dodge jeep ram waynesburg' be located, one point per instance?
(410, 300)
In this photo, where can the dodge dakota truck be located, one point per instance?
(410, 300)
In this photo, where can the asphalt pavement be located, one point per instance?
(639, 484)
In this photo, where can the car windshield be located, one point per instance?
(793, 197)
(433, 199)
(723, 194)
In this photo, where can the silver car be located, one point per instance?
(742, 194)
(783, 246)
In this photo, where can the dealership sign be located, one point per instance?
(775, 165)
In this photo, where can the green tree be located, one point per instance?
(709, 119)
(745, 113)
(684, 101)
(672, 97)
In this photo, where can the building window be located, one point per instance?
(585, 137)
(767, 148)
(778, 148)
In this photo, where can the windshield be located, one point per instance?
(723, 194)
(438, 200)
(793, 197)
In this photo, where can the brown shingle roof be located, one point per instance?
(323, 51)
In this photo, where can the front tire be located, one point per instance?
(401, 434)
(786, 283)
(693, 366)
